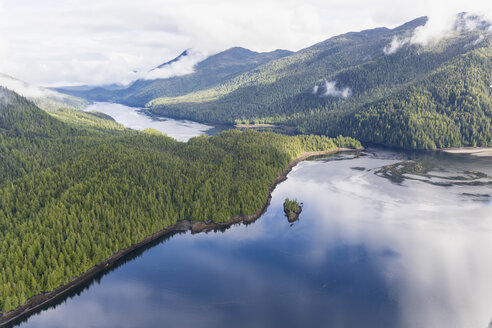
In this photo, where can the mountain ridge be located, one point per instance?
(337, 82)
(179, 57)
(208, 72)
(350, 72)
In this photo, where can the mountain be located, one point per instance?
(374, 85)
(207, 73)
(45, 98)
(181, 56)
(21, 116)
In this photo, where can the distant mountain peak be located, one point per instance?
(183, 54)
(414, 23)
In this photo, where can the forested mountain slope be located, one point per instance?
(45, 98)
(76, 188)
(452, 106)
(207, 73)
(355, 84)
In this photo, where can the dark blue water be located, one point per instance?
(409, 245)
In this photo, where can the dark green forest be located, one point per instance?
(449, 108)
(76, 187)
(417, 98)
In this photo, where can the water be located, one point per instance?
(385, 239)
(139, 119)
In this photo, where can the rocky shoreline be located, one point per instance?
(38, 301)
(293, 216)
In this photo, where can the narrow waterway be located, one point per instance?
(139, 119)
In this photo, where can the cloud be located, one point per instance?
(395, 45)
(331, 90)
(441, 26)
(183, 66)
(478, 40)
(24, 89)
(95, 42)
(5, 99)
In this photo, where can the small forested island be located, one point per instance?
(76, 188)
(292, 209)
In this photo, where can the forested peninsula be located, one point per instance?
(76, 188)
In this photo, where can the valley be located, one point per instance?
(413, 97)
(345, 183)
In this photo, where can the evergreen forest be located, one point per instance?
(77, 187)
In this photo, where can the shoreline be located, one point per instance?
(473, 151)
(265, 125)
(38, 301)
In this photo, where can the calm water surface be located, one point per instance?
(139, 119)
(385, 239)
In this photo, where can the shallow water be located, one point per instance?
(139, 119)
(369, 250)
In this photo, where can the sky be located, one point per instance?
(95, 42)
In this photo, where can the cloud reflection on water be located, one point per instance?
(441, 276)
(365, 252)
